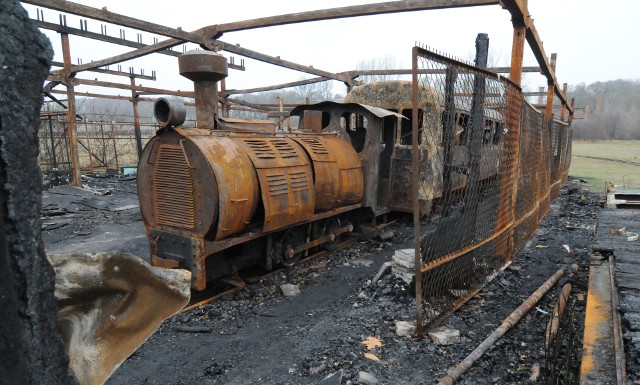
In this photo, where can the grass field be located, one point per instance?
(610, 166)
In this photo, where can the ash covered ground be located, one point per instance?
(260, 336)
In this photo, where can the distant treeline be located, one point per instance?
(614, 110)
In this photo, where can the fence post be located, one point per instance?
(415, 168)
(509, 181)
(471, 197)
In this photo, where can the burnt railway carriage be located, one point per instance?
(396, 96)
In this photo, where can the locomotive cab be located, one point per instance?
(370, 131)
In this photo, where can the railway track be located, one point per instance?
(200, 299)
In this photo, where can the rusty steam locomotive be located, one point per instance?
(232, 193)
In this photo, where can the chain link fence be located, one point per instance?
(500, 165)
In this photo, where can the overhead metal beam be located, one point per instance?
(113, 97)
(220, 45)
(120, 86)
(110, 39)
(276, 86)
(355, 73)
(351, 11)
(498, 70)
(111, 17)
(206, 36)
(112, 72)
(97, 36)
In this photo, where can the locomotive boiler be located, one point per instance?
(232, 193)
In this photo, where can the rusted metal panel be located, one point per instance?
(338, 179)
(286, 179)
(237, 182)
(173, 188)
(240, 125)
(199, 184)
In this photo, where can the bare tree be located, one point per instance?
(386, 62)
(612, 124)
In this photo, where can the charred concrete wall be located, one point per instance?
(31, 349)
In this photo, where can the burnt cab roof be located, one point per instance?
(355, 108)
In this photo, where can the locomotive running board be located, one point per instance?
(212, 247)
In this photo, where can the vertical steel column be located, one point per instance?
(573, 100)
(136, 118)
(563, 110)
(509, 179)
(415, 200)
(517, 53)
(71, 111)
(550, 89)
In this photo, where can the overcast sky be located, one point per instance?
(593, 39)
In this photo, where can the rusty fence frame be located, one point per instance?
(534, 177)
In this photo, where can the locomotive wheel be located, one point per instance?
(284, 247)
(331, 226)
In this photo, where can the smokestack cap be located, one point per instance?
(203, 65)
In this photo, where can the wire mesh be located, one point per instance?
(489, 166)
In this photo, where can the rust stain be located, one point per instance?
(597, 317)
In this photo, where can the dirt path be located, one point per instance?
(609, 159)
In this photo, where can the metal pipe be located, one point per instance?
(457, 372)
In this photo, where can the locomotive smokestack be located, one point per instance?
(205, 69)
